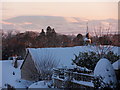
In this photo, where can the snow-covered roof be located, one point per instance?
(86, 39)
(116, 65)
(62, 55)
(105, 69)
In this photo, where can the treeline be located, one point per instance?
(17, 43)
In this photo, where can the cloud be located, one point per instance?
(64, 25)
(27, 23)
(105, 23)
(70, 19)
(8, 23)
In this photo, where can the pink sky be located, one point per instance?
(88, 10)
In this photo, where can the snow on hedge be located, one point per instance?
(106, 71)
(116, 65)
(90, 84)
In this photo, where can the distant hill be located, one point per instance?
(66, 25)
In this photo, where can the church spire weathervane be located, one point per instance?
(87, 28)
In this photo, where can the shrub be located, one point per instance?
(112, 57)
(90, 59)
(100, 84)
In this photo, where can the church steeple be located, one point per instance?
(87, 28)
(87, 32)
(87, 39)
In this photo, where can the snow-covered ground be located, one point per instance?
(40, 84)
(7, 77)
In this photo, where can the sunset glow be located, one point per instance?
(88, 10)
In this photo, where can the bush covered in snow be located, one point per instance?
(106, 74)
(100, 84)
(89, 59)
(112, 57)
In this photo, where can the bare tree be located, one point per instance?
(99, 47)
(99, 32)
(45, 65)
(9, 33)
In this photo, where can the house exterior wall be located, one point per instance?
(28, 70)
